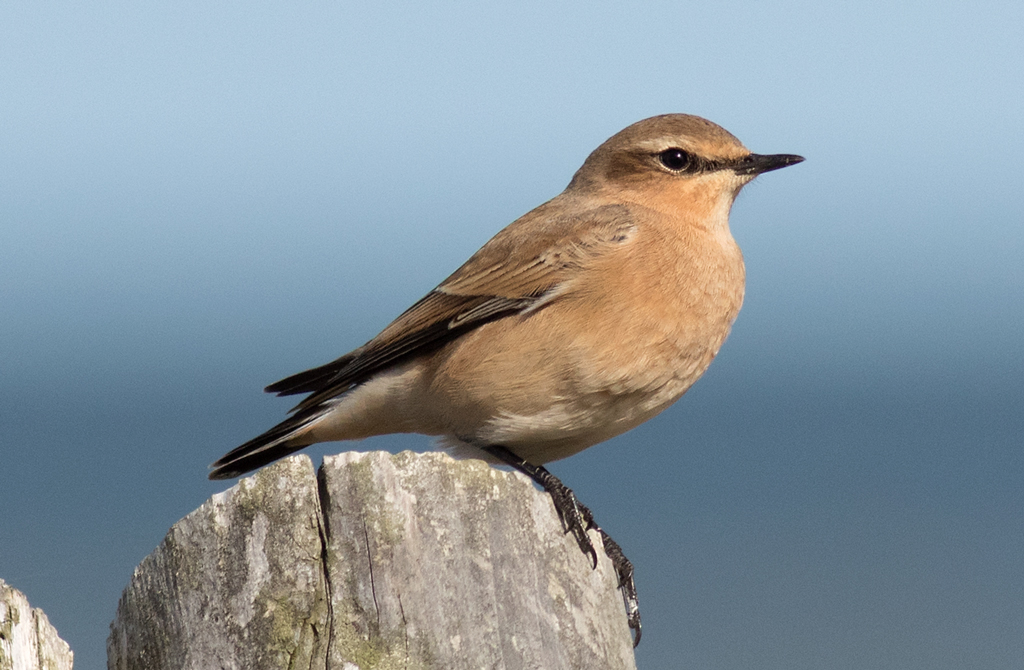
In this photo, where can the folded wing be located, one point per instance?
(523, 268)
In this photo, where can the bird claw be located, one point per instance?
(577, 519)
(624, 572)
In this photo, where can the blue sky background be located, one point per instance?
(197, 199)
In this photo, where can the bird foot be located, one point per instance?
(624, 570)
(575, 516)
(577, 519)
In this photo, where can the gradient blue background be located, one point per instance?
(197, 200)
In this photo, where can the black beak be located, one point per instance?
(755, 164)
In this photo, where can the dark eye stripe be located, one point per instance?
(683, 162)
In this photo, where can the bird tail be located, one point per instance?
(283, 439)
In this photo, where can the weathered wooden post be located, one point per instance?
(378, 561)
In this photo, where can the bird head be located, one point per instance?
(675, 161)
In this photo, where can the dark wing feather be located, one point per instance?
(513, 273)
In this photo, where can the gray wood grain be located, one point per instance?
(27, 640)
(238, 583)
(381, 561)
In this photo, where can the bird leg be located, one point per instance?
(577, 519)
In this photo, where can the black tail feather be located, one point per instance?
(264, 449)
(250, 462)
(310, 380)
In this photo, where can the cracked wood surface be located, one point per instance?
(378, 561)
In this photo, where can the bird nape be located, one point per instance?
(580, 320)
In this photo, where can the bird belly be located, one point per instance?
(567, 427)
(547, 395)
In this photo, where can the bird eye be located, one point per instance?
(676, 160)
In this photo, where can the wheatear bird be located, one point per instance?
(580, 320)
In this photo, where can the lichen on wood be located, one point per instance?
(378, 561)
